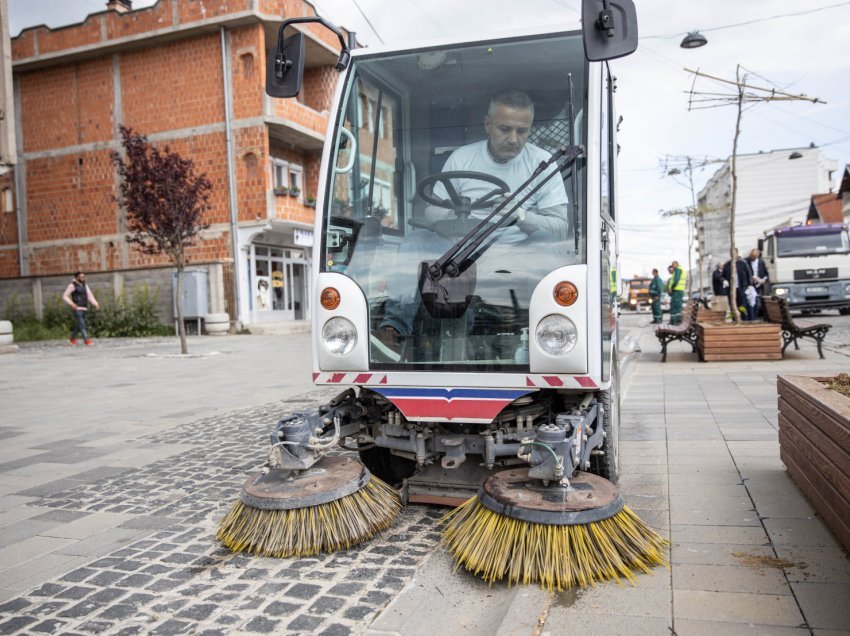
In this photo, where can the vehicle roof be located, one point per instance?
(569, 27)
(821, 228)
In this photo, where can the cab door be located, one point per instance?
(608, 248)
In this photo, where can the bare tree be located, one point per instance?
(165, 202)
(742, 94)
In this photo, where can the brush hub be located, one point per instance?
(588, 498)
(329, 479)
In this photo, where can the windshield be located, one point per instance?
(428, 145)
(812, 244)
(639, 283)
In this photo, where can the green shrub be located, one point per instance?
(124, 316)
(120, 316)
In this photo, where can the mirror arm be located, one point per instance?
(282, 65)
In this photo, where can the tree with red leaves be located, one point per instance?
(165, 202)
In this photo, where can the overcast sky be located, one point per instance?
(801, 53)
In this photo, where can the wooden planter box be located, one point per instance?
(814, 444)
(711, 315)
(744, 341)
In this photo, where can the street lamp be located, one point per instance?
(693, 40)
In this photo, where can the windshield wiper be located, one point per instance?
(451, 262)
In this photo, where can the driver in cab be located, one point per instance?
(507, 155)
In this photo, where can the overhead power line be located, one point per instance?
(748, 22)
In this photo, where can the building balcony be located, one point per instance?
(291, 122)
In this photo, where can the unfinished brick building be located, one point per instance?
(189, 74)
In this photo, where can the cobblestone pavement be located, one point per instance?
(172, 577)
(108, 509)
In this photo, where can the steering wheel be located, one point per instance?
(462, 206)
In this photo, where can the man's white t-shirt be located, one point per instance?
(476, 158)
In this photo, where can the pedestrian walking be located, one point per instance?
(719, 286)
(676, 287)
(656, 288)
(760, 278)
(79, 297)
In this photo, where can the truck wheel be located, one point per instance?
(608, 465)
(386, 466)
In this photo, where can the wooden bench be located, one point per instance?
(685, 331)
(776, 311)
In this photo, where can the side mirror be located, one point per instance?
(761, 245)
(285, 68)
(609, 28)
(285, 63)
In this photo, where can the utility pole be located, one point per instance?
(739, 93)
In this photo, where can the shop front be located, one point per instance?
(277, 275)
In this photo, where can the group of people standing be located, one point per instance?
(752, 284)
(676, 286)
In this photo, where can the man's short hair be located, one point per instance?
(512, 98)
(77, 274)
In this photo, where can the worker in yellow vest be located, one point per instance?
(676, 287)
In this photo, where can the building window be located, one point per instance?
(287, 178)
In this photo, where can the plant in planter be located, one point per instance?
(310, 202)
(814, 444)
(294, 191)
(281, 191)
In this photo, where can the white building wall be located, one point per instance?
(773, 190)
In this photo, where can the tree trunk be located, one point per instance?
(733, 251)
(181, 325)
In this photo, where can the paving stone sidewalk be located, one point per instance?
(107, 520)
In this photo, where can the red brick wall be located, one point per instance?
(247, 64)
(70, 196)
(119, 25)
(197, 10)
(69, 38)
(9, 264)
(67, 105)
(319, 85)
(209, 155)
(190, 97)
(252, 177)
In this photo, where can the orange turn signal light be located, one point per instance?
(329, 298)
(565, 293)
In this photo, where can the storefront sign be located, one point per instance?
(304, 237)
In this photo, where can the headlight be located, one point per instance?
(339, 336)
(847, 289)
(556, 335)
(780, 291)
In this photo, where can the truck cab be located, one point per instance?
(809, 265)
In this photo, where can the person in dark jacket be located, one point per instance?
(744, 281)
(720, 287)
(79, 297)
(760, 278)
(656, 288)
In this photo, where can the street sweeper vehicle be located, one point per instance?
(464, 293)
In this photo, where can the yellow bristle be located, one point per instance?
(303, 532)
(496, 547)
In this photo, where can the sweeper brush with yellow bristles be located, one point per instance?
(333, 505)
(559, 537)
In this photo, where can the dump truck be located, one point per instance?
(809, 266)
